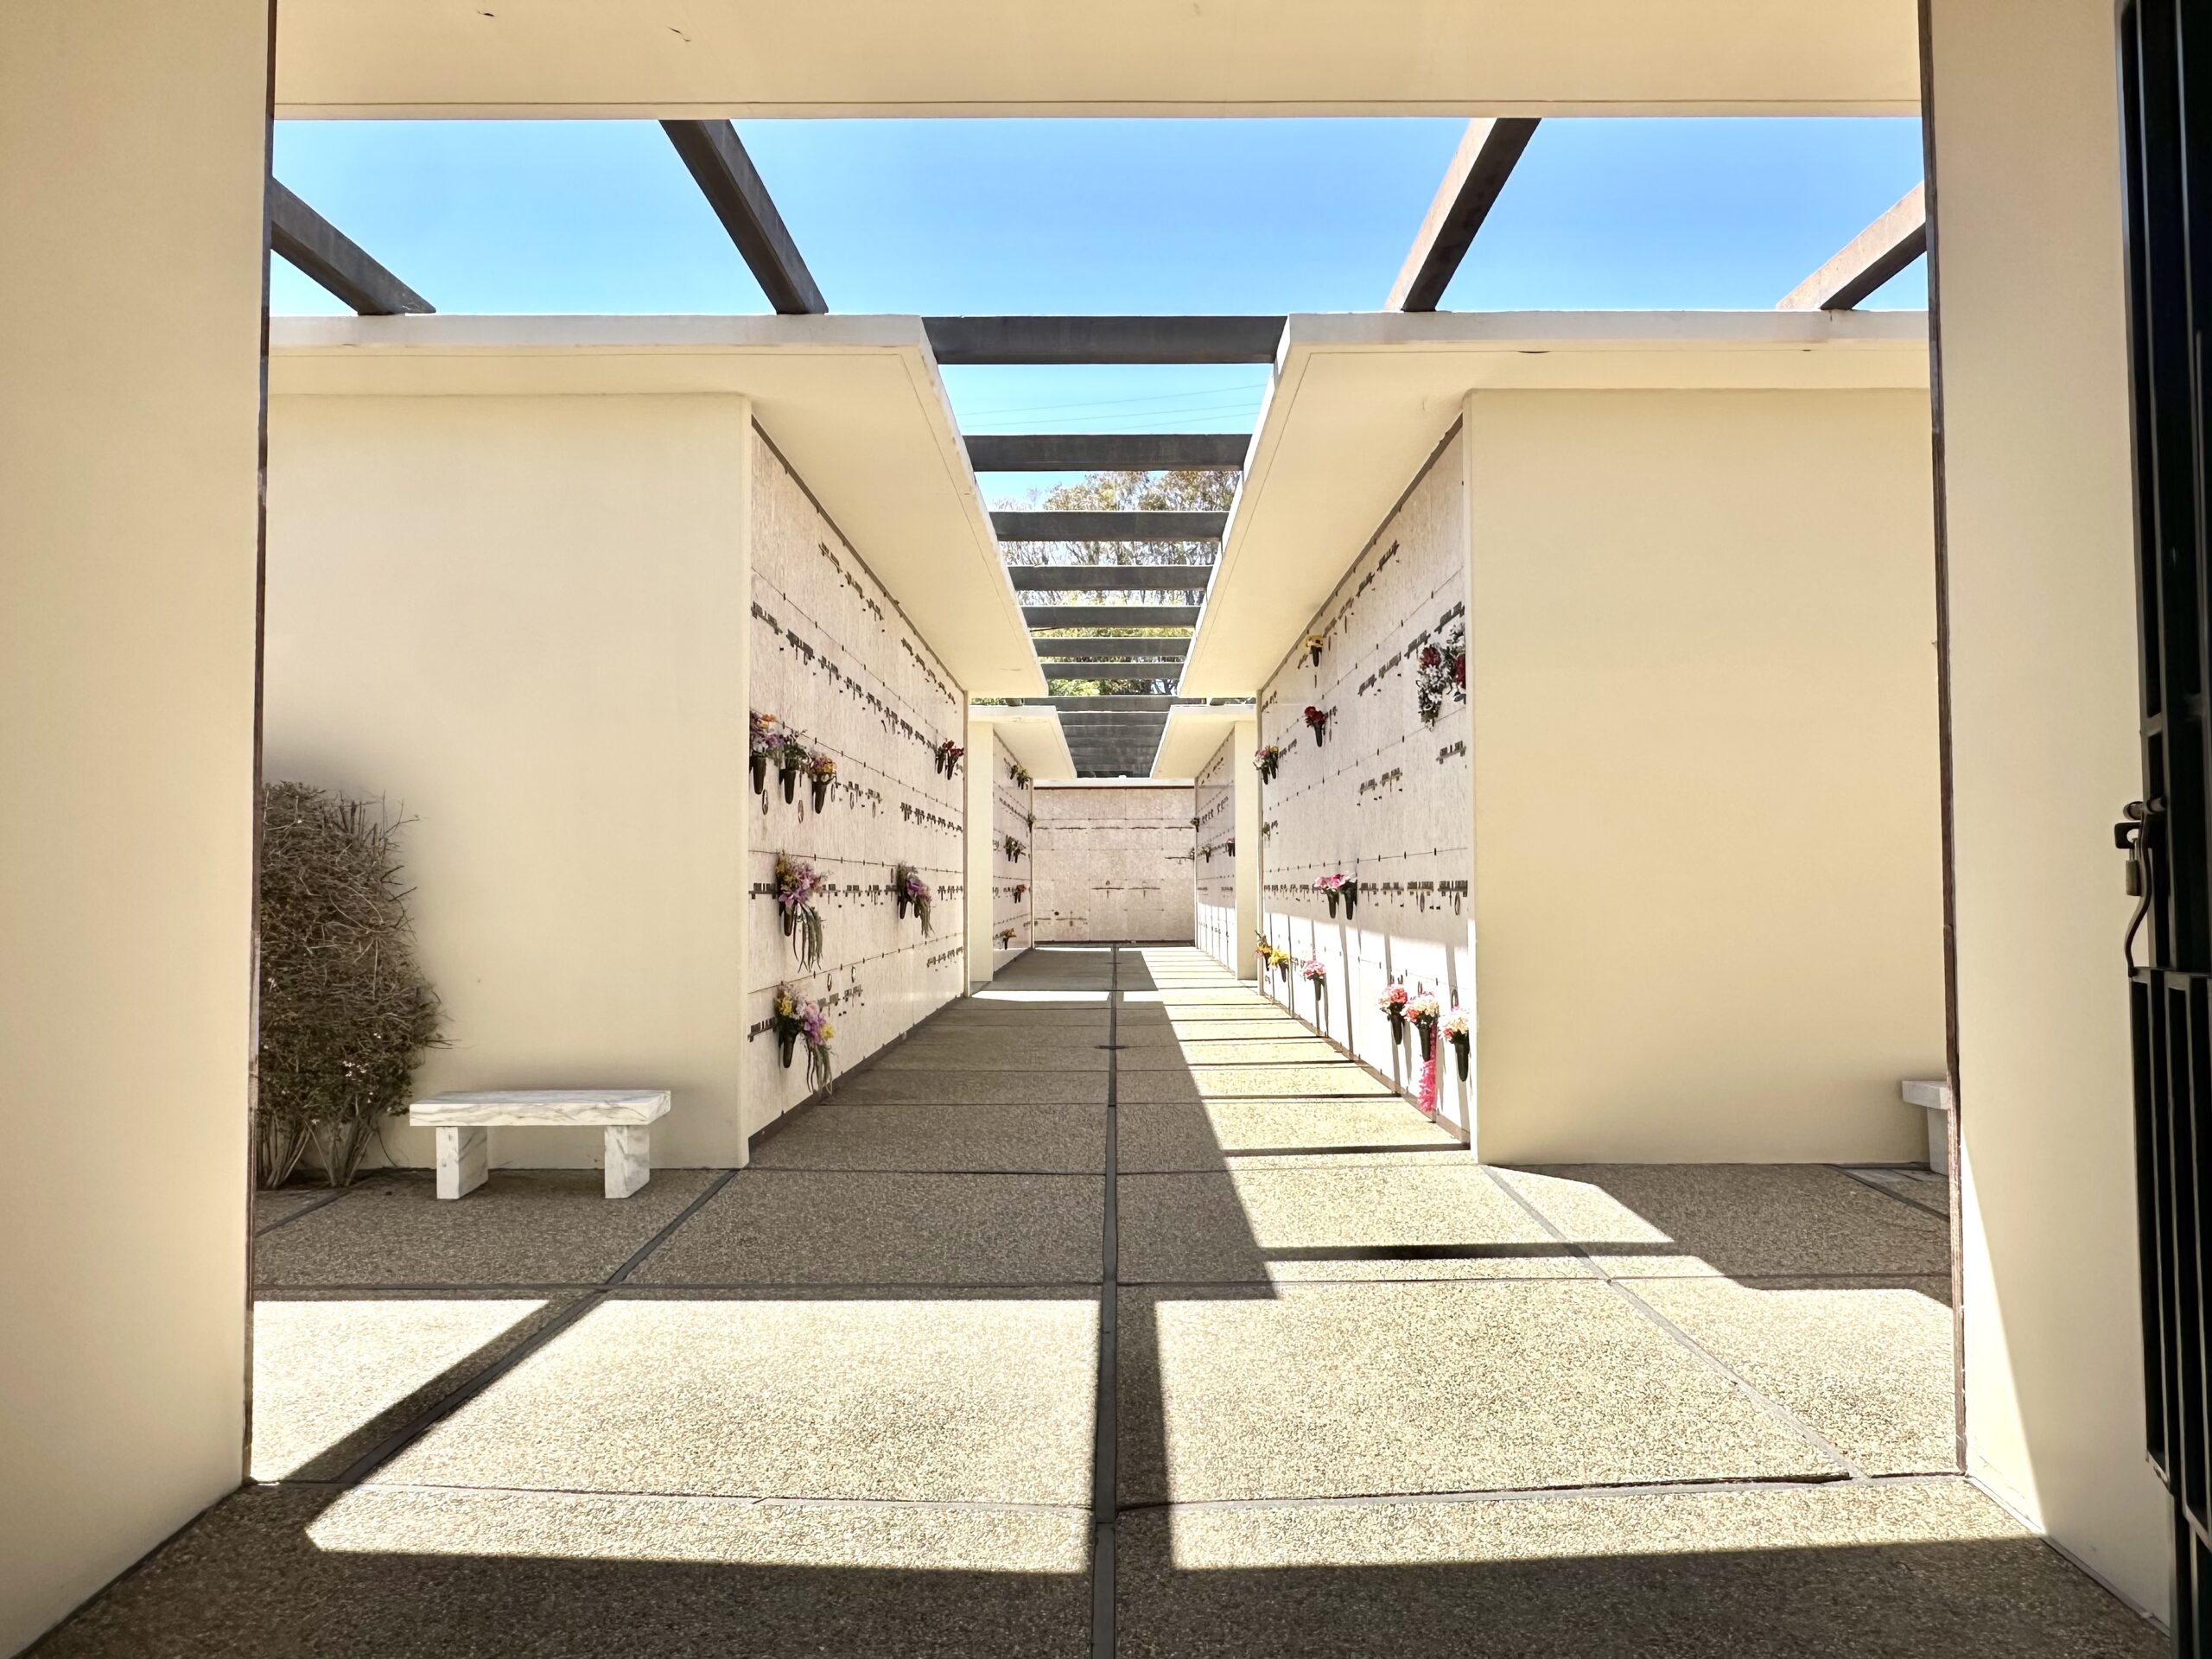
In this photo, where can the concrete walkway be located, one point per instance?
(1112, 1312)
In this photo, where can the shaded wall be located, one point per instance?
(2034, 368)
(833, 657)
(132, 138)
(523, 622)
(1381, 796)
(1707, 880)
(1013, 879)
(1215, 872)
(1113, 862)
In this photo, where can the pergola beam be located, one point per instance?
(1109, 616)
(1129, 526)
(1132, 703)
(1173, 647)
(725, 174)
(1484, 160)
(1061, 669)
(1106, 452)
(326, 255)
(1868, 260)
(1110, 578)
(1103, 339)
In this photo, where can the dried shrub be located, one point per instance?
(346, 1013)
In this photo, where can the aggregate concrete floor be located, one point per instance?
(1112, 1312)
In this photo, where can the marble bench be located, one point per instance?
(462, 1120)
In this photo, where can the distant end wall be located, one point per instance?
(1113, 862)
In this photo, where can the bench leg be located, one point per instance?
(463, 1161)
(629, 1160)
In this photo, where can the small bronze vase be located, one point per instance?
(821, 793)
(787, 1044)
(1460, 1046)
(790, 775)
(1428, 1041)
(760, 774)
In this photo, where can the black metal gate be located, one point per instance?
(2168, 179)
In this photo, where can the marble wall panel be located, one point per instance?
(834, 657)
(1379, 795)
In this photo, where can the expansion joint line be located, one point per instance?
(1104, 1481)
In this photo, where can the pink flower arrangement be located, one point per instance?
(1422, 1013)
(1314, 971)
(1461, 1034)
(1393, 1004)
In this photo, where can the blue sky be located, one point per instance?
(1109, 216)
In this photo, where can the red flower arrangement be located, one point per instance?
(1319, 719)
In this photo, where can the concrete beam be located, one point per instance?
(326, 255)
(1107, 616)
(1103, 339)
(1485, 158)
(1159, 705)
(1060, 669)
(1110, 578)
(1868, 260)
(725, 174)
(1106, 452)
(1170, 648)
(1132, 526)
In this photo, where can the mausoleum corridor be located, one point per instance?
(1112, 1311)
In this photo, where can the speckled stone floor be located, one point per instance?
(1112, 1312)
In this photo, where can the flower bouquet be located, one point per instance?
(1014, 848)
(1319, 719)
(821, 771)
(1005, 939)
(1267, 761)
(908, 888)
(948, 757)
(1313, 644)
(1438, 672)
(1020, 773)
(766, 743)
(796, 884)
(1339, 885)
(793, 757)
(796, 1017)
(1422, 1013)
(1279, 959)
(1393, 1004)
(1315, 972)
(1457, 1033)
(1021, 891)
(1228, 847)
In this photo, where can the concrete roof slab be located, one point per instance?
(1358, 400)
(853, 403)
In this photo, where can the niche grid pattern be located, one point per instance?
(833, 657)
(1216, 810)
(1012, 807)
(1381, 798)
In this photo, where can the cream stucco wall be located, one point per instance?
(1707, 877)
(523, 621)
(132, 144)
(2033, 366)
